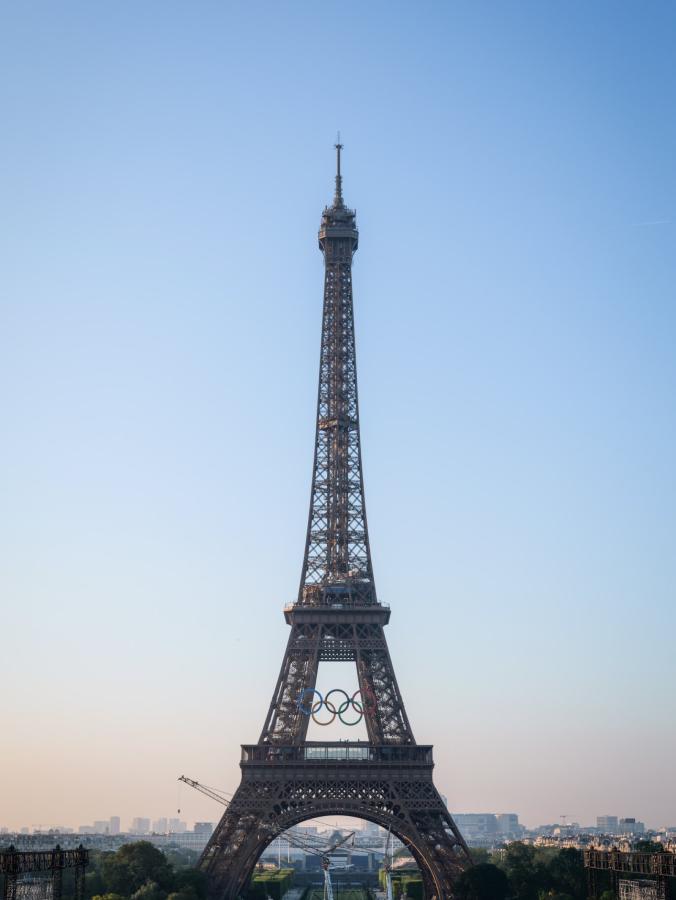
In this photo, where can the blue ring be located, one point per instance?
(299, 703)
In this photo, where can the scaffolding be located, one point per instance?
(639, 889)
(646, 875)
(32, 887)
(38, 875)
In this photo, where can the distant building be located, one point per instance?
(477, 828)
(607, 824)
(176, 826)
(114, 825)
(140, 825)
(188, 840)
(508, 825)
(204, 828)
(160, 826)
(630, 826)
(101, 827)
(33, 842)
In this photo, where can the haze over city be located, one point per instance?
(165, 168)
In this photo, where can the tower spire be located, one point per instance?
(338, 197)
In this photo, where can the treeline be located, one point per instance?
(140, 871)
(524, 872)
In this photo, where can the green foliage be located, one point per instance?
(181, 857)
(526, 876)
(565, 875)
(270, 883)
(192, 882)
(543, 873)
(481, 855)
(483, 882)
(149, 891)
(404, 884)
(135, 866)
(142, 872)
(412, 886)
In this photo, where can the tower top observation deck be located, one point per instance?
(338, 222)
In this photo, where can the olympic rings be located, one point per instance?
(308, 706)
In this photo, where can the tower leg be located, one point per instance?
(79, 882)
(9, 891)
(57, 873)
(57, 884)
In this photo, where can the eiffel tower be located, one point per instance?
(287, 779)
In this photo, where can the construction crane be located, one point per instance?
(387, 865)
(203, 789)
(327, 865)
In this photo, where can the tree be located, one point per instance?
(482, 882)
(149, 891)
(190, 881)
(184, 894)
(133, 866)
(526, 876)
(565, 874)
(480, 855)
(181, 857)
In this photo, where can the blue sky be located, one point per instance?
(164, 167)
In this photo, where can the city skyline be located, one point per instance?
(505, 823)
(513, 173)
(163, 824)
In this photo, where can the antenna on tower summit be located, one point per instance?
(338, 199)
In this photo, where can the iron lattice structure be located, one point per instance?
(336, 617)
(16, 866)
(630, 876)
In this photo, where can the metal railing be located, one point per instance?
(338, 751)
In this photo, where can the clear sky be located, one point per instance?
(163, 168)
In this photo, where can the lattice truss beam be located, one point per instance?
(337, 547)
(25, 871)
